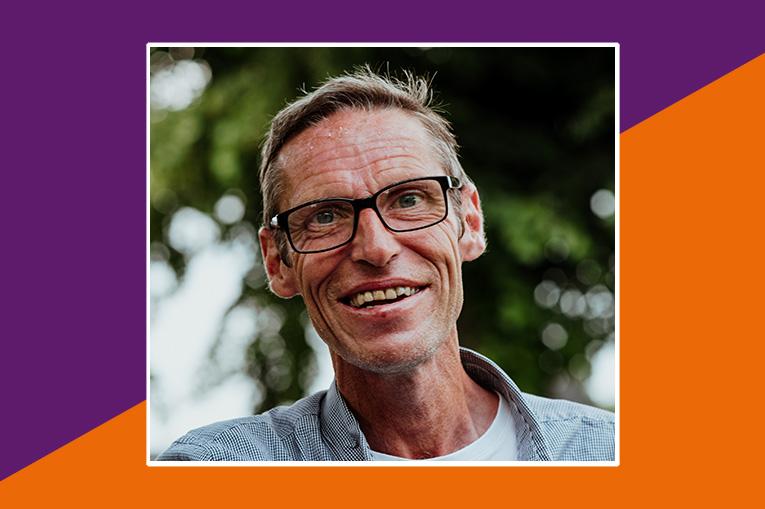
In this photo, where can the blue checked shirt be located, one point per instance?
(320, 427)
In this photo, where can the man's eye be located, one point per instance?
(408, 200)
(324, 217)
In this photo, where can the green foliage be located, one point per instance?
(536, 127)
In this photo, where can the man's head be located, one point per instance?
(349, 139)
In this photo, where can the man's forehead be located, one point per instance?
(352, 139)
(347, 130)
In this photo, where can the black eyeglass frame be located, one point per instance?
(280, 220)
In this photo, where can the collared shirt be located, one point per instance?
(321, 427)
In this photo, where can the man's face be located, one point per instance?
(353, 154)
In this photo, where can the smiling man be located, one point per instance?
(369, 216)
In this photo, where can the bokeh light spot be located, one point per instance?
(600, 384)
(546, 294)
(162, 279)
(190, 230)
(174, 87)
(229, 209)
(603, 203)
(573, 303)
(554, 336)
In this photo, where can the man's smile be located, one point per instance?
(376, 297)
(381, 293)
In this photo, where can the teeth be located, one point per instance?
(378, 295)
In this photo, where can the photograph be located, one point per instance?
(396, 254)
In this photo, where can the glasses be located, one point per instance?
(322, 225)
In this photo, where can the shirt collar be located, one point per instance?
(347, 442)
(531, 442)
(341, 429)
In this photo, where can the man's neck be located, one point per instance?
(431, 410)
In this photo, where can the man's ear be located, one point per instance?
(281, 278)
(473, 241)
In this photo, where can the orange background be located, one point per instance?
(691, 205)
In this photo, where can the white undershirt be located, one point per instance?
(497, 443)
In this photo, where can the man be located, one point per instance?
(368, 217)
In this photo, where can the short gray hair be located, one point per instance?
(362, 89)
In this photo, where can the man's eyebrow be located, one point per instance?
(305, 200)
(323, 198)
(349, 196)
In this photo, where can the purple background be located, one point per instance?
(73, 328)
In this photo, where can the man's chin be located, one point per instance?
(389, 361)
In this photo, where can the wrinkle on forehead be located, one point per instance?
(347, 130)
(334, 153)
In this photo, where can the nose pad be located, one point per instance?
(373, 242)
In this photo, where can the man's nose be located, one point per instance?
(373, 242)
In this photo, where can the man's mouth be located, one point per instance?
(381, 296)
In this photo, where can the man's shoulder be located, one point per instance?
(276, 435)
(573, 431)
(547, 409)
